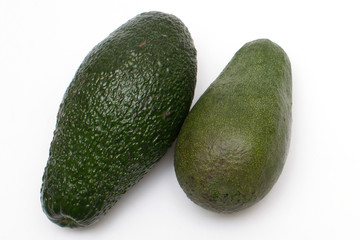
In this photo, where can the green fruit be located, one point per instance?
(234, 142)
(119, 115)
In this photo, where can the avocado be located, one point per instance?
(233, 144)
(119, 115)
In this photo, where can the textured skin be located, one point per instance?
(121, 112)
(233, 144)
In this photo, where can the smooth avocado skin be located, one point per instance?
(233, 144)
(119, 115)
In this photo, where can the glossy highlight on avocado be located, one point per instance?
(233, 144)
(119, 115)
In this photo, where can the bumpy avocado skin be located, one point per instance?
(119, 115)
(234, 142)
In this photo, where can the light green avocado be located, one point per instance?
(233, 144)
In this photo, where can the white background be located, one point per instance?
(317, 196)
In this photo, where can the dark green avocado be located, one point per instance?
(234, 142)
(119, 115)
